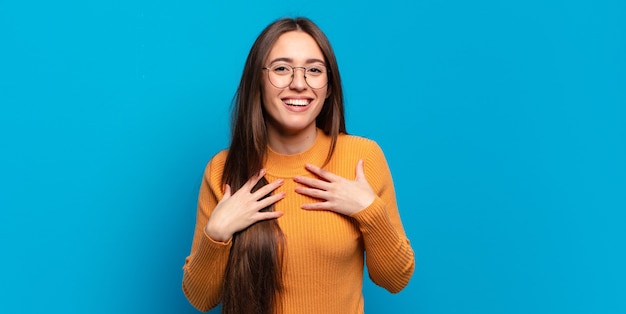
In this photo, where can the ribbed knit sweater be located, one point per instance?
(325, 251)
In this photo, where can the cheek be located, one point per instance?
(322, 95)
(268, 94)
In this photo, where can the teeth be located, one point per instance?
(297, 102)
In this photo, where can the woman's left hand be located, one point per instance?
(336, 193)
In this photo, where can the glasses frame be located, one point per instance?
(293, 74)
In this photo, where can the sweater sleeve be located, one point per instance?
(389, 256)
(204, 268)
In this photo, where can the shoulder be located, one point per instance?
(368, 149)
(220, 157)
(215, 166)
(358, 144)
(356, 140)
(352, 148)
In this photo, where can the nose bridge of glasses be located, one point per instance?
(293, 75)
(293, 71)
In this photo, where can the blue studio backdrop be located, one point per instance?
(503, 122)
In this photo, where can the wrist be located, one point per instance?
(215, 234)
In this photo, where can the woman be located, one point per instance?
(288, 212)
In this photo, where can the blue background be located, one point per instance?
(504, 124)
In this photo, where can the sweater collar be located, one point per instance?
(288, 166)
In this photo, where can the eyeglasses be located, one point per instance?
(281, 75)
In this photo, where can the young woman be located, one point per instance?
(288, 213)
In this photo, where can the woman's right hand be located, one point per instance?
(236, 212)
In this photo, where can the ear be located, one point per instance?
(328, 91)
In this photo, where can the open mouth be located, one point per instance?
(297, 102)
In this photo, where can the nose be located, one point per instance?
(298, 82)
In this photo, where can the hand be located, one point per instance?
(338, 194)
(236, 212)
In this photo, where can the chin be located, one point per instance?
(294, 128)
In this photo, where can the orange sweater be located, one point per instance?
(325, 251)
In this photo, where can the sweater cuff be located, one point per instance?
(209, 251)
(374, 220)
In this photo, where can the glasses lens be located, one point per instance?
(316, 76)
(281, 75)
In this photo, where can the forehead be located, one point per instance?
(297, 46)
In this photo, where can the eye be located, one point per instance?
(281, 69)
(316, 70)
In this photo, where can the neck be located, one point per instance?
(291, 143)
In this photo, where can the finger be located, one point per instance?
(360, 171)
(227, 191)
(270, 200)
(268, 188)
(267, 215)
(311, 182)
(316, 206)
(315, 193)
(324, 174)
(254, 180)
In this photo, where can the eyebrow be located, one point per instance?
(289, 60)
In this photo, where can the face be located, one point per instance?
(294, 108)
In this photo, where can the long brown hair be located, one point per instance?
(253, 279)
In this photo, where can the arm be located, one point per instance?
(216, 222)
(389, 256)
(369, 199)
(203, 271)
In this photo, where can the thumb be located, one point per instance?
(360, 172)
(226, 191)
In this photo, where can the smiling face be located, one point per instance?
(292, 110)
